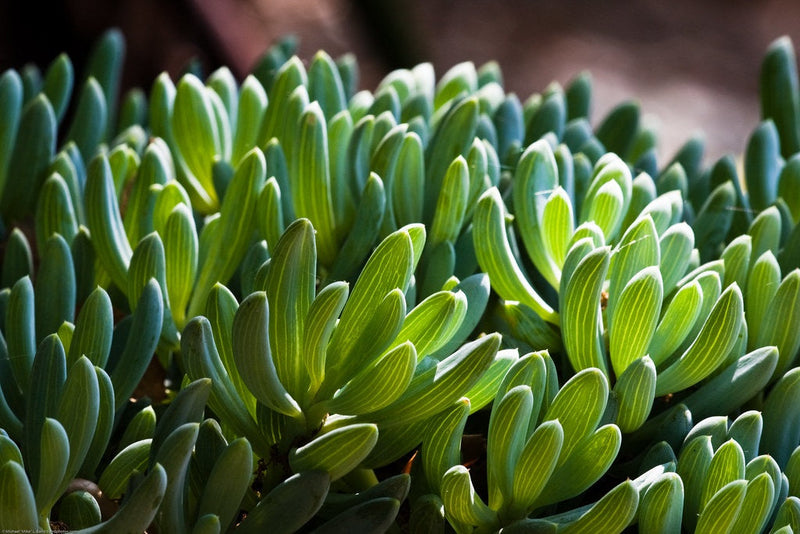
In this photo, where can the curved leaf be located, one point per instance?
(338, 452)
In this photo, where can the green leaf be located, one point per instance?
(250, 114)
(580, 309)
(269, 209)
(460, 78)
(187, 407)
(18, 260)
(105, 64)
(535, 181)
(289, 76)
(606, 204)
(102, 215)
(52, 464)
(233, 235)
(661, 505)
(223, 84)
(114, 480)
(197, 139)
(408, 187)
(156, 168)
(180, 260)
(635, 318)
(27, 166)
(377, 385)
(427, 515)
(719, 515)
(618, 129)
(325, 84)
(778, 89)
(757, 505)
(615, 511)
(762, 164)
(78, 412)
(736, 384)
(485, 389)
(766, 231)
(220, 310)
(432, 322)
(550, 116)
(10, 111)
(535, 465)
(20, 332)
(320, 322)
(88, 127)
(311, 182)
(789, 186)
(635, 390)
(340, 131)
(162, 99)
(746, 431)
(94, 329)
(79, 509)
(693, 462)
(133, 110)
(139, 509)
(389, 267)
(175, 455)
(762, 286)
(781, 432)
(148, 263)
(17, 504)
(476, 288)
(777, 327)
(54, 212)
(338, 452)
(583, 466)
(505, 441)
(290, 288)
(140, 346)
(452, 138)
(104, 426)
(579, 407)
(451, 204)
(441, 449)
(227, 482)
(366, 228)
(709, 349)
(56, 283)
(289, 505)
(496, 258)
(579, 95)
(676, 322)
(461, 502)
(792, 471)
(788, 516)
(713, 220)
(167, 198)
(439, 386)
(637, 250)
(737, 260)
(726, 466)
(253, 355)
(558, 227)
(377, 515)
(47, 377)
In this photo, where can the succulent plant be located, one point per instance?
(347, 290)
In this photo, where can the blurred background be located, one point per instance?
(693, 65)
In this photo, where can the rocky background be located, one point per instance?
(693, 65)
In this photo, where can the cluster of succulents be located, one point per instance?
(431, 307)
